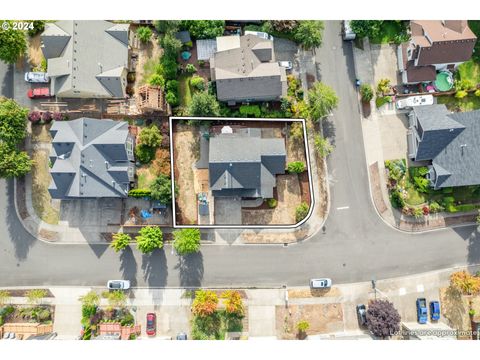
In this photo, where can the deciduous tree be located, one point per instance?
(13, 163)
(150, 238)
(204, 104)
(150, 136)
(205, 303)
(161, 189)
(383, 319)
(321, 101)
(186, 241)
(13, 43)
(465, 282)
(309, 33)
(366, 28)
(233, 302)
(120, 241)
(204, 29)
(13, 121)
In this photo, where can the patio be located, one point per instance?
(146, 212)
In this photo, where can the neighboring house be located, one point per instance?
(86, 59)
(244, 70)
(435, 45)
(243, 164)
(448, 142)
(91, 158)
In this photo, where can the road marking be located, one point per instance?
(402, 291)
(343, 207)
(420, 288)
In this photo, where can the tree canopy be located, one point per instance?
(186, 241)
(13, 43)
(120, 241)
(321, 101)
(13, 121)
(203, 29)
(233, 302)
(150, 136)
(144, 33)
(465, 282)
(366, 28)
(205, 303)
(149, 239)
(383, 319)
(308, 33)
(161, 189)
(164, 26)
(13, 163)
(204, 104)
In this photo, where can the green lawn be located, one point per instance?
(468, 103)
(470, 70)
(149, 69)
(185, 90)
(145, 177)
(388, 31)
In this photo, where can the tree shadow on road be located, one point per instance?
(472, 236)
(128, 266)
(191, 269)
(328, 128)
(155, 270)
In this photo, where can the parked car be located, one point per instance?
(411, 101)
(320, 283)
(286, 64)
(39, 93)
(362, 314)
(36, 77)
(118, 284)
(181, 336)
(151, 324)
(260, 34)
(422, 313)
(434, 310)
(347, 32)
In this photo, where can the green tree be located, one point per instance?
(13, 163)
(4, 297)
(171, 45)
(204, 29)
(205, 303)
(120, 241)
(301, 211)
(144, 33)
(150, 136)
(13, 121)
(366, 28)
(366, 92)
(322, 146)
(35, 296)
(296, 167)
(156, 80)
(116, 298)
(150, 238)
(38, 27)
(186, 241)
(13, 43)
(161, 189)
(321, 101)
(309, 33)
(165, 26)
(168, 67)
(90, 299)
(233, 302)
(204, 104)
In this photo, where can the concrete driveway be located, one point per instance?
(384, 61)
(91, 212)
(393, 132)
(228, 210)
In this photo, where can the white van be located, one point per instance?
(260, 34)
(347, 32)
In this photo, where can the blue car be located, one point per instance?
(422, 312)
(434, 310)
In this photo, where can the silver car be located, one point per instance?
(37, 77)
(321, 283)
(118, 284)
(286, 64)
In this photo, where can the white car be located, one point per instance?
(286, 64)
(260, 34)
(321, 283)
(37, 77)
(118, 284)
(347, 32)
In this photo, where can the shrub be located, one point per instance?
(464, 282)
(296, 167)
(144, 34)
(303, 325)
(205, 303)
(477, 92)
(34, 117)
(466, 207)
(35, 296)
(383, 86)
(197, 83)
(417, 212)
(301, 211)
(57, 116)
(38, 27)
(366, 92)
(460, 94)
(464, 84)
(250, 111)
(272, 203)
(233, 302)
(43, 315)
(173, 85)
(383, 320)
(120, 241)
(131, 77)
(4, 297)
(435, 207)
(201, 63)
(47, 117)
(190, 68)
(144, 153)
(172, 98)
(451, 208)
(150, 136)
(139, 193)
(421, 184)
(396, 199)
(296, 132)
(322, 146)
(156, 80)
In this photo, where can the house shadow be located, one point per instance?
(155, 270)
(128, 266)
(472, 236)
(190, 270)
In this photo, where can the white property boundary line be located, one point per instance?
(307, 156)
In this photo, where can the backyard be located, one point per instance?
(185, 90)
(389, 31)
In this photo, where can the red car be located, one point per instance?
(39, 93)
(151, 324)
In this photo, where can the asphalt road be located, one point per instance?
(357, 245)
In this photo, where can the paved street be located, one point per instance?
(357, 244)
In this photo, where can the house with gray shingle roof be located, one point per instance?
(86, 59)
(448, 142)
(91, 158)
(244, 70)
(243, 164)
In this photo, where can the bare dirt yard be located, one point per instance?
(148, 58)
(323, 318)
(289, 197)
(455, 307)
(186, 154)
(35, 55)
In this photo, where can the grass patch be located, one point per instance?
(470, 70)
(414, 197)
(145, 177)
(41, 198)
(382, 100)
(468, 103)
(185, 90)
(149, 68)
(389, 30)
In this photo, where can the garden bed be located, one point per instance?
(41, 199)
(18, 314)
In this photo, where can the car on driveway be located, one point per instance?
(422, 312)
(362, 314)
(181, 336)
(286, 64)
(36, 77)
(39, 93)
(151, 324)
(434, 310)
(324, 283)
(118, 284)
(260, 34)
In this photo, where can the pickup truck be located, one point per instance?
(422, 311)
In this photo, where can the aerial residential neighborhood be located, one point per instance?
(239, 179)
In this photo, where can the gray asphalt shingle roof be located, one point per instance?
(90, 159)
